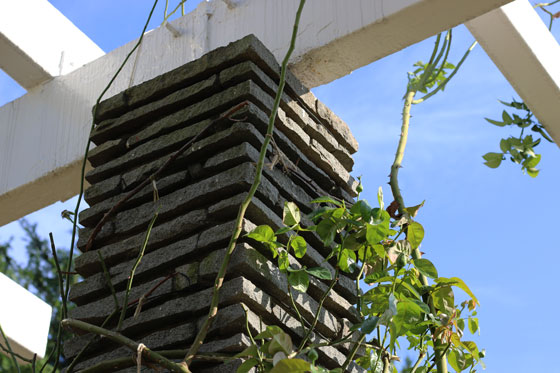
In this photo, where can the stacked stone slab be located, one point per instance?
(199, 195)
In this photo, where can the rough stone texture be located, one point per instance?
(199, 195)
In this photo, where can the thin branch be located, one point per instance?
(11, 352)
(133, 270)
(444, 83)
(318, 312)
(108, 279)
(241, 214)
(82, 178)
(129, 343)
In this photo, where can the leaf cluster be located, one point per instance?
(375, 248)
(520, 149)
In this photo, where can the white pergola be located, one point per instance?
(43, 133)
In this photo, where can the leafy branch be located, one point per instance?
(521, 148)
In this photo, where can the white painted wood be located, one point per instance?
(43, 134)
(25, 319)
(37, 42)
(527, 54)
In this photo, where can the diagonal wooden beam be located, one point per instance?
(43, 134)
(527, 54)
(37, 42)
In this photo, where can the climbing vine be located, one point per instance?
(401, 299)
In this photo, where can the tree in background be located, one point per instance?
(39, 276)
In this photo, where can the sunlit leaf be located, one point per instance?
(456, 281)
(291, 215)
(262, 233)
(291, 366)
(299, 245)
(326, 200)
(299, 280)
(326, 229)
(426, 268)
(415, 234)
(473, 324)
(457, 360)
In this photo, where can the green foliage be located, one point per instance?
(520, 149)
(396, 306)
(39, 276)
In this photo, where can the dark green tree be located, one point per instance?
(39, 276)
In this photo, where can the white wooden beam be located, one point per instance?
(527, 54)
(43, 134)
(25, 319)
(38, 43)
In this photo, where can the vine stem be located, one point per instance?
(441, 359)
(121, 339)
(243, 207)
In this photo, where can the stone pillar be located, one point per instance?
(199, 194)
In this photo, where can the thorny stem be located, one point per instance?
(132, 345)
(239, 221)
(394, 183)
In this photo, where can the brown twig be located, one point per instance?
(154, 176)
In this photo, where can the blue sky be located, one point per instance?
(493, 228)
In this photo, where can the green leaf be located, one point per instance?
(493, 160)
(413, 211)
(291, 215)
(415, 234)
(444, 299)
(472, 347)
(249, 351)
(299, 280)
(533, 162)
(291, 366)
(473, 324)
(495, 122)
(457, 360)
(247, 365)
(269, 332)
(362, 209)
(505, 145)
(533, 172)
(320, 272)
(426, 268)
(326, 200)
(283, 261)
(299, 245)
(376, 232)
(281, 342)
(346, 259)
(380, 250)
(421, 305)
(506, 118)
(369, 325)
(262, 233)
(456, 281)
(326, 229)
